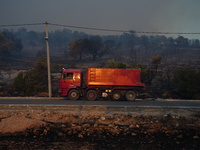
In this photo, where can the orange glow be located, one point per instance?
(119, 77)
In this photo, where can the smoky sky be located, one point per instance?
(138, 15)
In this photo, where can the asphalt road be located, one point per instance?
(61, 101)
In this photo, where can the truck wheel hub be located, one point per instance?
(130, 95)
(116, 96)
(91, 95)
(74, 94)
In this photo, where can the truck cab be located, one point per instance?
(70, 79)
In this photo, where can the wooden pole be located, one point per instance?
(48, 60)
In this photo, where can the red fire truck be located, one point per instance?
(96, 83)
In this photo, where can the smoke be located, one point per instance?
(138, 15)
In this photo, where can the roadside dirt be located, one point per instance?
(62, 130)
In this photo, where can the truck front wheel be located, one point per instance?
(73, 94)
(130, 95)
(91, 95)
(116, 95)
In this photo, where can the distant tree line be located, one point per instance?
(80, 45)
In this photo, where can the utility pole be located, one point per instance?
(48, 60)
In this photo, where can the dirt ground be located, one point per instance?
(61, 130)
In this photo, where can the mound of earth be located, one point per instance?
(61, 130)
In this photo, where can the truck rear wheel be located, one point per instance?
(130, 95)
(73, 94)
(116, 95)
(91, 95)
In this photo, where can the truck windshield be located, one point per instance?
(67, 75)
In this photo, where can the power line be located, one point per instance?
(101, 29)
(88, 28)
(146, 32)
(14, 25)
(116, 30)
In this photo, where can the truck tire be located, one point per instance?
(116, 95)
(91, 95)
(130, 95)
(73, 94)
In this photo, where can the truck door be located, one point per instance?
(66, 82)
(67, 78)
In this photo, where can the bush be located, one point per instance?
(113, 64)
(186, 83)
(33, 81)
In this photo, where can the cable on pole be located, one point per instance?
(15, 25)
(88, 28)
(116, 30)
(100, 29)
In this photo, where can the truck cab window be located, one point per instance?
(67, 76)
